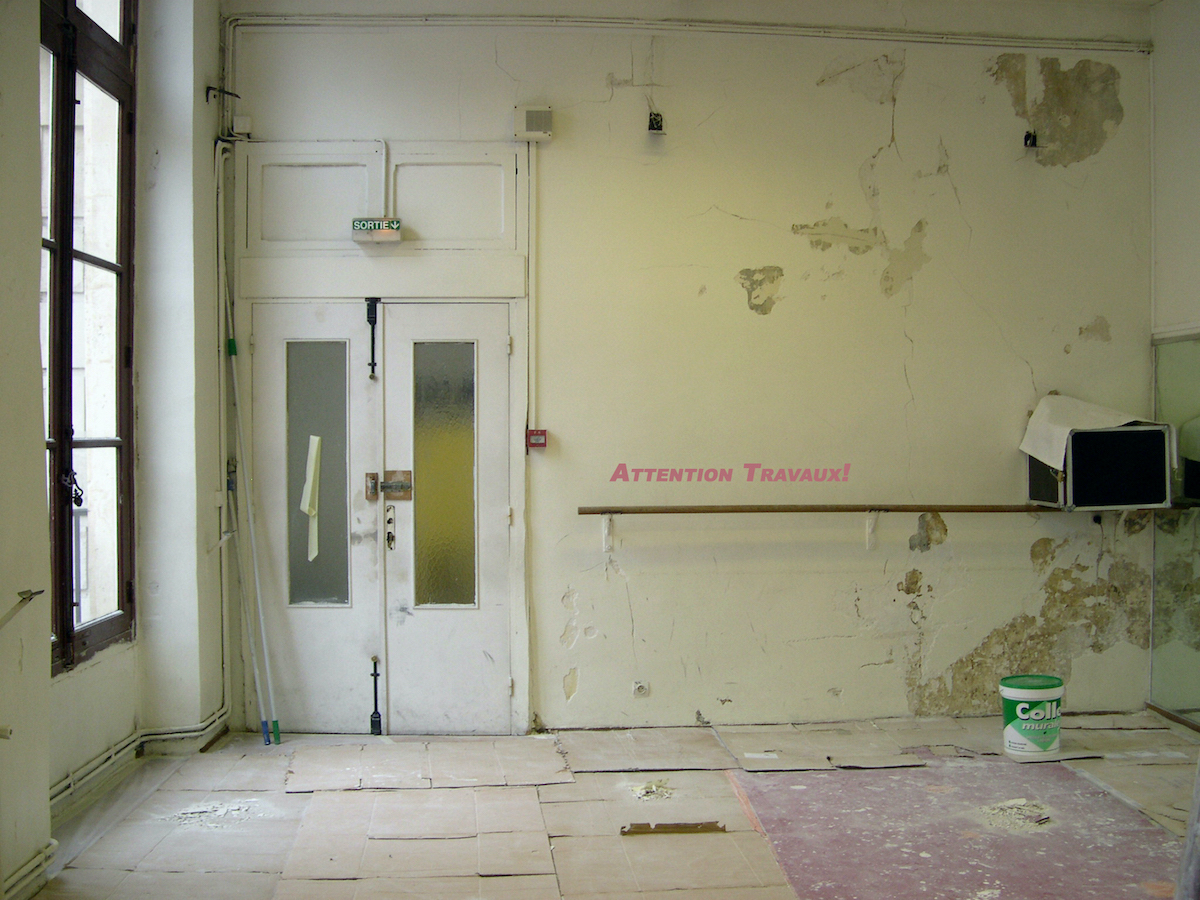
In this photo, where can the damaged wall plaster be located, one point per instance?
(938, 636)
(762, 287)
(931, 530)
(877, 79)
(1096, 330)
(911, 583)
(1083, 611)
(824, 234)
(1073, 112)
(905, 262)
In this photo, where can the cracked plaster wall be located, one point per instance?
(817, 627)
(925, 276)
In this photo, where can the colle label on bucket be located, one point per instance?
(1034, 726)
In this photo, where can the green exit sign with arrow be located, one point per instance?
(376, 229)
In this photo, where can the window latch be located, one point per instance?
(69, 480)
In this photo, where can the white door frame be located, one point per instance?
(306, 270)
(518, 374)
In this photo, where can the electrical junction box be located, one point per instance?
(532, 123)
(1123, 467)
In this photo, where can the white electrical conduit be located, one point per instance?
(245, 473)
(221, 157)
(20, 880)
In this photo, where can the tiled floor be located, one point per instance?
(884, 809)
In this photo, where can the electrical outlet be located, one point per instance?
(641, 689)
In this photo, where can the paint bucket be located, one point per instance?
(1032, 709)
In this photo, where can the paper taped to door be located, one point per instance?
(308, 496)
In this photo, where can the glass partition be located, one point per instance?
(1175, 635)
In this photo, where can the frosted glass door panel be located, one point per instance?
(444, 469)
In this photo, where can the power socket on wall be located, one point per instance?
(641, 689)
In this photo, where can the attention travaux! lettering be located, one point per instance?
(754, 472)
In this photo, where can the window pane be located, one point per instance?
(318, 545)
(105, 13)
(44, 330)
(47, 119)
(97, 129)
(444, 473)
(94, 352)
(94, 534)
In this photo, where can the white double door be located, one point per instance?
(422, 584)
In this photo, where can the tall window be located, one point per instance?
(87, 94)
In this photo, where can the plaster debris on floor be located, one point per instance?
(873, 809)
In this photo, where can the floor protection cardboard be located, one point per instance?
(644, 750)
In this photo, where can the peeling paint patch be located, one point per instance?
(1077, 111)
(570, 601)
(1136, 522)
(570, 634)
(943, 166)
(762, 287)
(911, 583)
(903, 264)
(931, 530)
(1097, 330)
(876, 79)
(571, 683)
(824, 234)
(1042, 552)
(1081, 613)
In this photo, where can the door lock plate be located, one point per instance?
(397, 484)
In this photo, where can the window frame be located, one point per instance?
(80, 47)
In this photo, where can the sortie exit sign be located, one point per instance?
(376, 229)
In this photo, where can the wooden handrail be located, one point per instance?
(811, 508)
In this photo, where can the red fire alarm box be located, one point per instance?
(535, 439)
